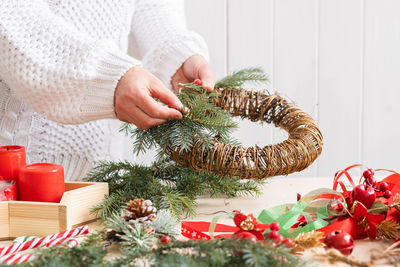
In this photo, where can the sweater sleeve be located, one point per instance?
(162, 39)
(61, 73)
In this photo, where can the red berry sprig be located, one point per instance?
(165, 239)
(382, 188)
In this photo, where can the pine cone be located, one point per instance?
(139, 210)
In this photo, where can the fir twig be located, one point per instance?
(238, 78)
(166, 183)
(388, 229)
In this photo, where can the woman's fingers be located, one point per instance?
(156, 110)
(207, 77)
(138, 117)
(134, 103)
(159, 91)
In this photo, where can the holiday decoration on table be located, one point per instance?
(41, 182)
(291, 234)
(201, 139)
(139, 210)
(371, 209)
(12, 158)
(8, 190)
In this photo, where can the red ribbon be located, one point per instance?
(198, 230)
(195, 230)
(366, 226)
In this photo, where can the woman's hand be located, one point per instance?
(195, 67)
(135, 103)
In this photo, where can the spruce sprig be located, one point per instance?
(239, 78)
(217, 252)
(167, 184)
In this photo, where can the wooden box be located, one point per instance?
(19, 218)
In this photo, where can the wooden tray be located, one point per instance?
(19, 218)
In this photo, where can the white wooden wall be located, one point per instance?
(338, 60)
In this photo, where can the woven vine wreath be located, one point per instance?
(184, 142)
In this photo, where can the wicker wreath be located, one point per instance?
(302, 147)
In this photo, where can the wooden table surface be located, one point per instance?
(279, 190)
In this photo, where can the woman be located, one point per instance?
(65, 72)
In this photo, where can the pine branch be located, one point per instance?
(166, 183)
(216, 252)
(238, 78)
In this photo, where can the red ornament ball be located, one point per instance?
(383, 187)
(273, 235)
(198, 82)
(387, 194)
(341, 241)
(364, 194)
(165, 239)
(288, 242)
(275, 226)
(245, 235)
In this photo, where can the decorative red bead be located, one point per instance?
(245, 235)
(165, 239)
(275, 226)
(383, 186)
(198, 82)
(288, 242)
(364, 194)
(341, 241)
(387, 194)
(273, 235)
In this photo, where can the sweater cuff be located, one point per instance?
(99, 98)
(169, 56)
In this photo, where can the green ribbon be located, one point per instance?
(287, 214)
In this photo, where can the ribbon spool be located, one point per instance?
(302, 147)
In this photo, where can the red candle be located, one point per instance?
(12, 158)
(42, 182)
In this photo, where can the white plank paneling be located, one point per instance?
(340, 83)
(381, 125)
(295, 55)
(250, 45)
(208, 18)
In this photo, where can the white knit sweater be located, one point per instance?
(60, 61)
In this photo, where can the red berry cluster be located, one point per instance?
(381, 189)
(165, 239)
(251, 229)
(276, 236)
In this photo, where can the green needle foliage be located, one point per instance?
(217, 252)
(167, 184)
(202, 125)
(239, 78)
